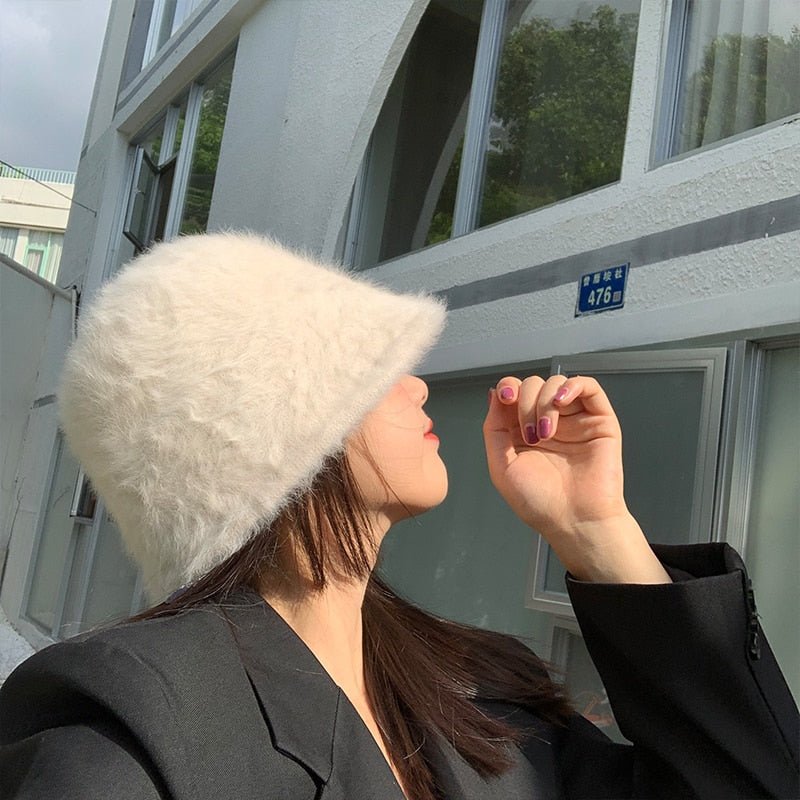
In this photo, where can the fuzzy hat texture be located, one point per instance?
(210, 379)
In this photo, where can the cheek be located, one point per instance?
(401, 455)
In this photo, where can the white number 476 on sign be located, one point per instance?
(599, 297)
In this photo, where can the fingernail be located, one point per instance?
(561, 394)
(507, 393)
(545, 426)
(530, 434)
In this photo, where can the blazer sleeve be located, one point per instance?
(73, 725)
(692, 681)
(76, 762)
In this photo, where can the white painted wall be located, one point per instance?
(35, 325)
(309, 84)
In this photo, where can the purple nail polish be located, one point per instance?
(561, 394)
(530, 434)
(507, 393)
(545, 427)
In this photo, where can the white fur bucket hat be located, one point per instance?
(212, 377)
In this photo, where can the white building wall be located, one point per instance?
(28, 204)
(310, 81)
(35, 326)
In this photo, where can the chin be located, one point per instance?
(413, 507)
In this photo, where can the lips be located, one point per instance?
(428, 432)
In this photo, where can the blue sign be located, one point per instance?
(602, 290)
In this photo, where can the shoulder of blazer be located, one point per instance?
(177, 685)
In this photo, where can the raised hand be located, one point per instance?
(554, 450)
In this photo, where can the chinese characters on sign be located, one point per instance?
(602, 290)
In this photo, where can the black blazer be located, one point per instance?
(228, 702)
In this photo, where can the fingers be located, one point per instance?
(538, 404)
(582, 393)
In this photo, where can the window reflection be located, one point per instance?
(740, 68)
(541, 115)
(206, 150)
(561, 104)
(416, 144)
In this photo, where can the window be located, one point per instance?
(43, 253)
(166, 18)
(152, 25)
(772, 551)
(8, 240)
(175, 164)
(466, 560)
(732, 66)
(154, 171)
(207, 143)
(408, 186)
(498, 108)
(649, 389)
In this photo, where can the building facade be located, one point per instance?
(607, 188)
(34, 208)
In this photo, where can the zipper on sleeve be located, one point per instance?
(753, 636)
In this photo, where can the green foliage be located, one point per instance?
(206, 151)
(560, 111)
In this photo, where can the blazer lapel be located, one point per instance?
(309, 717)
(360, 771)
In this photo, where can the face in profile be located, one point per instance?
(410, 477)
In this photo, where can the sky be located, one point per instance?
(49, 52)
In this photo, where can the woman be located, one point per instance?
(250, 421)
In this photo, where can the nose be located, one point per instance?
(418, 389)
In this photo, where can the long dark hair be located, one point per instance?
(423, 674)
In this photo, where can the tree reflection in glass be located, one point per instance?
(206, 150)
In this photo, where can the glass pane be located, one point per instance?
(180, 127)
(206, 150)
(660, 414)
(39, 239)
(54, 543)
(125, 253)
(140, 221)
(50, 271)
(166, 25)
(183, 8)
(467, 559)
(773, 540)
(740, 69)
(561, 103)
(152, 143)
(416, 144)
(33, 260)
(112, 581)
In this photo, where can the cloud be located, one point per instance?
(49, 52)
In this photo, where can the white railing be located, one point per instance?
(44, 175)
